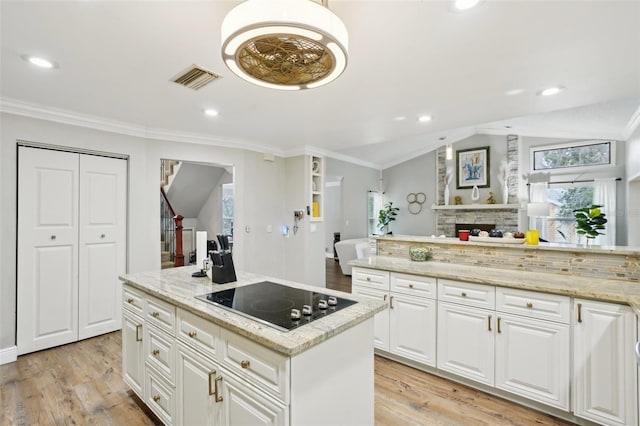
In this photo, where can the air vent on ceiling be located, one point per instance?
(195, 77)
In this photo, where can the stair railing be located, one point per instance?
(171, 230)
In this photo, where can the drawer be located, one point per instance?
(533, 304)
(197, 332)
(414, 285)
(478, 295)
(260, 366)
(370, 278)
(159, 349)
(160, 396)
(133, 300)
(160, 313)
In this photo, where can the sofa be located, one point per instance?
(357, 248)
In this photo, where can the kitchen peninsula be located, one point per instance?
(192, 362)
(550, 326)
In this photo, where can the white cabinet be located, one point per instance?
(507, 341)
(197, 380)
(408, 327)
(245, 405)
(132, 352)
(466, 341)
(71, 246)
(532, 359)
(605, 372)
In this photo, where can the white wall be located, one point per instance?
(210, 215)
(258, 187)
(332, 212)
(356, 183)
(633, 189)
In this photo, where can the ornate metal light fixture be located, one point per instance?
(284, 44)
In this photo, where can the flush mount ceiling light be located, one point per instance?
(39, 61)
(425, 118)
(465, 4)
(550, 91)
(211, 112)
(284, 44)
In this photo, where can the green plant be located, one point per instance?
(387, 215)
(589, 221)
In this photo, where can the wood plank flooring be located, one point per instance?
(81, 383)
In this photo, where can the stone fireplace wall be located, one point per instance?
(504, 219)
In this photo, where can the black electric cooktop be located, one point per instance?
(277, 305)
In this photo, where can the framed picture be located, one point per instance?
(473, 167)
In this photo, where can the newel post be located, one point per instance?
(179, 256)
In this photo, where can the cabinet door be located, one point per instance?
(102, 243)
(532, 359)
(132, 353)
(465, 342)
(47, 287)
(243, 405)
(412, 328)
(195, 388)
(605, 372)
(381, 319)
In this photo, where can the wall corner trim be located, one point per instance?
(8, 355)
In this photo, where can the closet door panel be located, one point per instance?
(103, 189)
(47, 287)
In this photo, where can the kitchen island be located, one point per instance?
(550, 326)
(192, 362)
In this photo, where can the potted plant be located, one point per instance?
(589, 222)
(386, 216)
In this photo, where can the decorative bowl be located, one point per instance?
(420, 254)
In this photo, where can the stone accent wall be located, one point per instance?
(525, 258)
(506, 220)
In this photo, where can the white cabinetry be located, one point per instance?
(132, 355)
(520, 351)
(408, 327)
(605, 373)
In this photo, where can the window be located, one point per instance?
(373, 208)
(560, 226)
(572, 155)
(227, 209)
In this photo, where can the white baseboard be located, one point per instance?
(8, 355)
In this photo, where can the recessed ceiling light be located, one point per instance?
(399, 118)
(425, 118)
(550, 91)
(465, 4)
(39, 61)
(514, 92)
(211, 112)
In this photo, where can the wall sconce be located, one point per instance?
(449, 152)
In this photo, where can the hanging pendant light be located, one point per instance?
(284, 44)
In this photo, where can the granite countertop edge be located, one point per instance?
(180, 289)
(576, 248)
(627, 292)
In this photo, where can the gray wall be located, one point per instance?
(332, 213)
(413, 176)
(259, 200)
(356, 183)
(210, 215)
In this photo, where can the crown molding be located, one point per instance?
(17, 107)
(632, 125)
(537, 133)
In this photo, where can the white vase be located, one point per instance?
(475, 193)
(446, 195)
(505, 193)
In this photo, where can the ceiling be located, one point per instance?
(406, 58)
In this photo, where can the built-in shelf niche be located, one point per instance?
(316, 190)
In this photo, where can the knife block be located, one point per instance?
(225, 273)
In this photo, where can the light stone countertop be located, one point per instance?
(590, 288)
(577, 248)
(178, 287)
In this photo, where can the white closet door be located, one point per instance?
(47, 309)
(103, 197)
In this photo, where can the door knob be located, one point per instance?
(53, 237)
(102, 236)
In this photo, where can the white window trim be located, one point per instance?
(576, 169)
